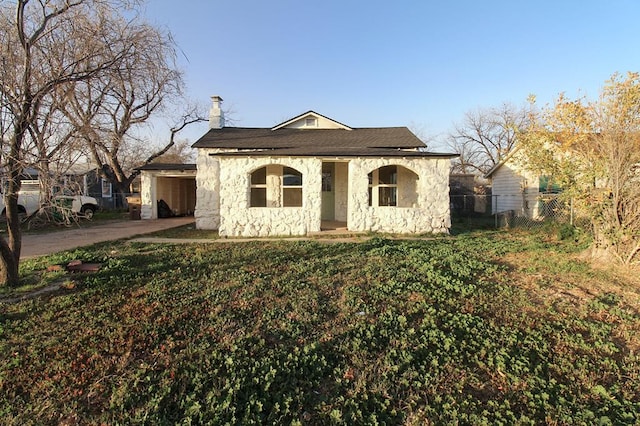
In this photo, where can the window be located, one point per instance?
(259, 188)
(30, 186)
(106, 189)
(311, 122)
(291, 187)
(270, 181)
(383, 187)
(326, 182)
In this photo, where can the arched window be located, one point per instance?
(259, 188)
(392, 186)
(276, 186)
(291, 187)
(383, 186)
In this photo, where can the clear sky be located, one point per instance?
(417, 63)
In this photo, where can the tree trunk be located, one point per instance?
(10, 249)
(8, 266)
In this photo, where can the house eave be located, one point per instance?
(167, 167)
(329, 155)
(500, 163)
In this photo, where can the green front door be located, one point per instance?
(328, 191)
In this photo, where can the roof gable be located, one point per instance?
(506, 158)
(311, 120)
(299, 137)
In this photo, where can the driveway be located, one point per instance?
(43, 244)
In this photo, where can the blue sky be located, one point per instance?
(421, 64)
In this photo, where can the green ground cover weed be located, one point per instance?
(471, 330)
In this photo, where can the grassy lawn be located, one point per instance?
(483, 328)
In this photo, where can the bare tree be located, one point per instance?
(44, 45)
(110, 112)
(421, 132)
(180, 153)
(51, 142)
(486, 136)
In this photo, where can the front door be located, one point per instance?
(328, 191)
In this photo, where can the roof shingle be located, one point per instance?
(258, 138)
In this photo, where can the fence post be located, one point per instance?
(571, 211)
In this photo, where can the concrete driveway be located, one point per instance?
(53, 242)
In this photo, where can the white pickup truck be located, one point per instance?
(29, 201)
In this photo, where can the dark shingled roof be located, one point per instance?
(313, 139)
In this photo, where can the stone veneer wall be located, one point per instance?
(431, 213)
(235, 218)
(407, 188)
(238, 219)
(207, 211)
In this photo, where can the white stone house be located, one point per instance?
(311, 172)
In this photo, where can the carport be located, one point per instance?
(173, 184)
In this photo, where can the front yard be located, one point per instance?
(484, 328)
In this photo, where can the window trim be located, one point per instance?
(375, 186)
(253, 186)
(284, 187)
(284, 170)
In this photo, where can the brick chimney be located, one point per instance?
(216, 115)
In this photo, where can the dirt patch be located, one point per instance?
(62, 283)
(545, 280)
(628, 273)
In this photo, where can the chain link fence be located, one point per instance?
(472, 211)
(512, 211)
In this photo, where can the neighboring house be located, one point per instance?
(462, 183)
(516, 189)
(83, 178)
(312, 170)
(467, 195)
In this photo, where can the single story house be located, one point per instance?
(311, 170)
(517, 189)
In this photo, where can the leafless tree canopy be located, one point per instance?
(110, 111)
(180, 152)
(486, 136)
(73, 71)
